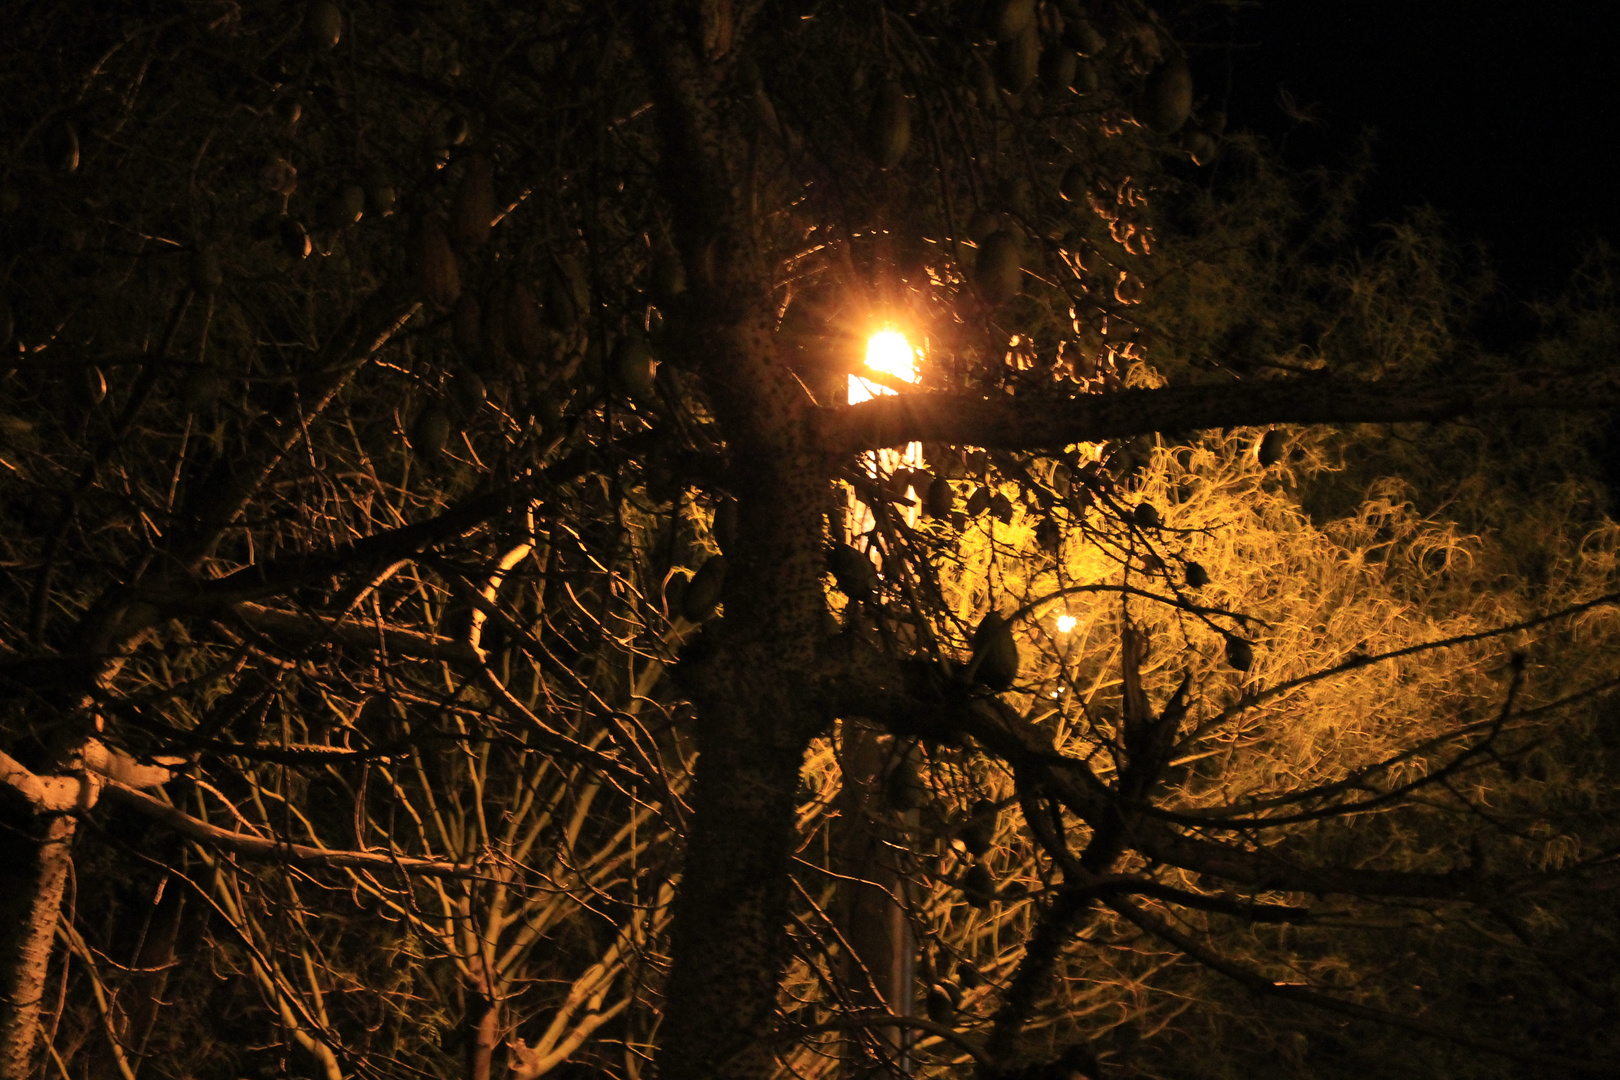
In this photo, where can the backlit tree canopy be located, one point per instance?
(461, 616)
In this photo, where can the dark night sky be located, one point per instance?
(1506, 118)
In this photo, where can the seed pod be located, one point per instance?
(703, 591)
(438, 279)
(562, 314)
(999, 271)
(995, 652)
(904, 788)
(1018, 61)
(1049, 536)
(1200, 145)
(1197, 576)
(1086, 80)
(1270, 450)
(856, 576)
(667, 277)
(724, 527)
(979, 833)
(1082, 37)
(380, 193)
(1167, 96)
(941, 1009)
(295, 238)
(62, 147)
(324, 24)
(1239, 653)
(1146, 516)
(206, 275)
(984, 224)
(984, 82)
(967, 976)
(348, 205)
(1001, 508)
(1013, 17)
(1057, 68)
(979, 885)
(978, 502)
(940, 498)
(674, 593)
(473, 210)
(431, 432)
(465, 321)
(888, 126)
(634, 368)
(1074, 183)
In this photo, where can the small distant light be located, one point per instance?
(1065, 623)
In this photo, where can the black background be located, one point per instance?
(1504, 118)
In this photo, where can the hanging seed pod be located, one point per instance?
(1049, 536)
(1200, 145)
(978, 502)
(984, 224)
(465, 320)
(904, 787)
(1146, 516)
(703, 591)
(888, 126)
(1239, 653)
(93, 386)
(979, 833)
(438, 278)
(1074, 184)
(999, 270)
(1018, 61)
(1013, 17)
(1086, 80)
(634, 368)
(431, 432)
(939, 1006)
(1167, 96)
(473, 210)
(1082, 37)
(380, 193)
(979, 886)
(940, 498)
(347, 206)
(967, 976)
(1057, 68)
(1001, 508)
(206, 275)
(674, 593)
(525, 334)
(560, 310)
(323, 24)
(62, 147)
(1197, 576)
(856, 576)
(295, 238)
(995, 652)
(724, 527)
(1270, 450)
(667, 278)
(983, 82)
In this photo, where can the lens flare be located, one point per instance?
(1065, 623)
(887, 351)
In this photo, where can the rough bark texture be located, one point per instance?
(36, 852)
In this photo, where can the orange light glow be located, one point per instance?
(887, 351)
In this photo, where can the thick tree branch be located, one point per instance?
(1024, 423)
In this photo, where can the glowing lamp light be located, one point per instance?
(1065, 623)
(887, 351)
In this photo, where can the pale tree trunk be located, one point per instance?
(37, 852)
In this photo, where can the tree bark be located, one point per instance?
(37, 850)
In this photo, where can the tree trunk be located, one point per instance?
(727, 946)
(37, 851)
